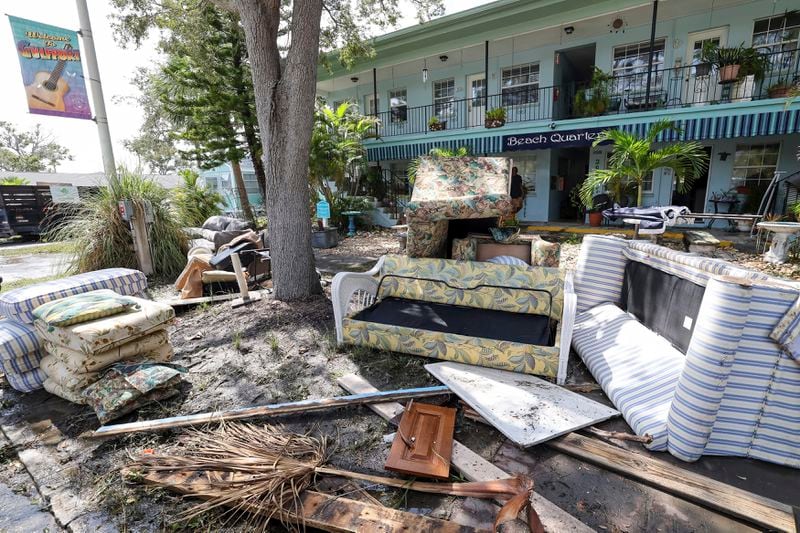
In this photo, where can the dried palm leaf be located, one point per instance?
(263, 470)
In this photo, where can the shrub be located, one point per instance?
(103, 240)
(195, 202)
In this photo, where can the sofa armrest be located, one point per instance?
(345, 285)
(567, 325)
(787, 332)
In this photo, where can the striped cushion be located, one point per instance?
(739, 392)
(23, 363)
(600, 271)
(508, 260)
(20, 303)
(27, 381)
(17, 340)
(637, 369)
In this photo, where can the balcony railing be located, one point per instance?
(670, 88)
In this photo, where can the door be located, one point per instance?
(701, 82)
(694, 197)
(476, 104)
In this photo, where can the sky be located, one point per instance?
(117, 66)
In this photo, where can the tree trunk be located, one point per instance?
(639, 192)
(285, 109)
(244, 201)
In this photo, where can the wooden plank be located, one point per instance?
(177, 302)
(424, 442)
(304, 406)
(526, 409)
(316, 510)
(473, 466)
(697, 488)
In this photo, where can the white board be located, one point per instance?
(526, 409)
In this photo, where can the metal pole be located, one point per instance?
(650, 60)
(100, 116)
(486, 67)
(375, 97)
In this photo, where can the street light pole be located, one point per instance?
(100, 116)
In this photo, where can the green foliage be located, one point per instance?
(14, 180)
(434, 121)
(33, 151)
(103, 240)
(462, 151)
(596, 100)
(750, 60)
(795, 210)
(497, 113)
(633, 159)
(754, 196)
(194, 201)
(348, 203)
(337, 149)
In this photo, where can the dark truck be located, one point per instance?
(26, 208)
(29, 209)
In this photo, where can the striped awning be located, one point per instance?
(719, 127)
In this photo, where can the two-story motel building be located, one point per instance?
(535, 59)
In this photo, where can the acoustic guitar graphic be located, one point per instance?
(48, 88)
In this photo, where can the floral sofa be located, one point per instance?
(500, 316)
(454, 188)
(698, 353)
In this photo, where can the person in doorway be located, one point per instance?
(517, 190)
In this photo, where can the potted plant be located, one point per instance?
(434, 124)
(782, 89)
(594, 100)
(702, 69)
(728, 60)
(595, 217)
(495, 118)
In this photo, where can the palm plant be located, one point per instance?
(337, 148)
(103, 240)
(14, 180)
(195, 202)
(633, 159)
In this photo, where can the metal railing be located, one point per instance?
(670, 88)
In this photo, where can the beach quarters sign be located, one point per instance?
(550, 139)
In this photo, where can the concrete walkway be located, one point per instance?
(32, 266)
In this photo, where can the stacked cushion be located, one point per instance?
(20, 354)
(19, 304)
(79, 352)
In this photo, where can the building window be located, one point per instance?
(629, 66)
(778, 35)
(754, 164)
(371, 105)
(647, 184)
(444, 93)
(398, 105)
(520, 85)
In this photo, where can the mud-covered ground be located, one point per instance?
(272, 352)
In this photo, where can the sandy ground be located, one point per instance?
(273, 352)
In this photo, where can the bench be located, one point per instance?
(700, 354)
(500, 316)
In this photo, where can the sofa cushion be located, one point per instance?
(17, 340)
(498, 325)
(27, 381)
(20, 303)
(637, 369)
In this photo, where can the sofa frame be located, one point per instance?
(353, 292)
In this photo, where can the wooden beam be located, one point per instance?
(304, 406)
(473, 466)
(316, 510)
(729, 500)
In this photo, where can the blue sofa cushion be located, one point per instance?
(637, 369)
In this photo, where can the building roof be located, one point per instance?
(84, 179)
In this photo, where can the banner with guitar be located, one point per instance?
(50, 60)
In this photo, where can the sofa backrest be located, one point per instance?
(667, 304)
(480, 285)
